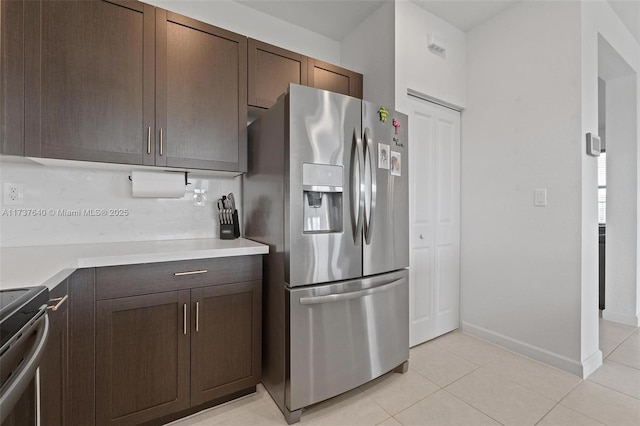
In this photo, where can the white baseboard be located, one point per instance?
(633, 320)
(591, 364)
(582, 369)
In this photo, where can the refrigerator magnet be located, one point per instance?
(396, 164)
(383, 156)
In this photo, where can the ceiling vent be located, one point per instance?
(436, 43)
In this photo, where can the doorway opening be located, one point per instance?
(618, 191)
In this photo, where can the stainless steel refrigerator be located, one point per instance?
(327, 190)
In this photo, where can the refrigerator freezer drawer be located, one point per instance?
(344, 334)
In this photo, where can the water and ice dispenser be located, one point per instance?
(323, 187)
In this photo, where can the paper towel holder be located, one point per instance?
(186, 178)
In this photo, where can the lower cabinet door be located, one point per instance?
(226, 340)
(53, 368)
(142, 357)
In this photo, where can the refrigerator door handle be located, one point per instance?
(385, 286)
(368, 152)
(357, 186)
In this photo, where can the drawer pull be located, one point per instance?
(149, 140)
(60, 301)
(184, 319)
(180, 274)
(197, 316)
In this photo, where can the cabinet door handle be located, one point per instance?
(149, 140)
(180, 274)
(184, 319)
(197, 316)
(60, 301)
(161, 142)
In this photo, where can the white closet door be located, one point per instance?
(434, 197)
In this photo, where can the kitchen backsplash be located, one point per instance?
(79, 205)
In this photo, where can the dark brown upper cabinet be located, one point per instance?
(333, 78)
(201, 84)
(124, 82)
(89, 80)
(12, 77)
(271, 69)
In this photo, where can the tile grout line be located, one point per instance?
(621, 342)
(417, 402)
(610, 388)
(571, 408)
(475, 408)
(560, 400)
(620, 363)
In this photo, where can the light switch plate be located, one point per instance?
(540, 197)
(594, 146)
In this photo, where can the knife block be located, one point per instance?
(230, 231)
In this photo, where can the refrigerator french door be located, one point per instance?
(386, 222)
(324, 134)
(327, 189)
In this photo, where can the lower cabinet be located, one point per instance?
(191, 339)
(54, 365)
(142, 357)
(225, 340)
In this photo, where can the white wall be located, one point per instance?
(600, 23)
(370, 50)
(244, 20)
(418, 68)
(52, 188)
(521, 264)
(622, 209)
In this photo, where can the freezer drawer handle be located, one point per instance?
(352, 295)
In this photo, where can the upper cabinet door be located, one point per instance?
(89, 80)
(325, 76)
(271, 69)
(12, 77)
(201, 85)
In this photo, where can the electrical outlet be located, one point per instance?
(13, 194)
(199, 197)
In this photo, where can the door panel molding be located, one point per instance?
(434, 220)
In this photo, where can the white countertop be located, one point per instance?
(49, 265)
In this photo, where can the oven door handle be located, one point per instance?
(386, 286)
(19, 381)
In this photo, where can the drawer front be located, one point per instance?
(343, 335)
(131, 280)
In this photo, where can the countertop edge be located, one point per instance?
(16, 273)
(132, 259)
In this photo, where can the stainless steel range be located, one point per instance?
(24, 330)
(327, 190)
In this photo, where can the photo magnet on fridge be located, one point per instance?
(383, 156)
(396, 164)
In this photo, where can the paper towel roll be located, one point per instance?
(157, 184)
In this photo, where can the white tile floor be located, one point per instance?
(457, 379)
